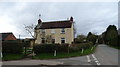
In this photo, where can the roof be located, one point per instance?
(4, 35)
(54, 24)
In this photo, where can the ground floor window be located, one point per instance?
(62, 40)
(43, 40)
(53, 41)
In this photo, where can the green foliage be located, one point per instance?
(12, 47)
(63, 54)
(62, 47)
(119, 41)
(100, 40)
(12, 56)
(111, 35)
(80, 39)
(44, 48)
(80, 46)
(92, 38)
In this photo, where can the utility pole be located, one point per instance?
(19, 36)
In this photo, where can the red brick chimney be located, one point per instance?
(71, 18)
(39, 21)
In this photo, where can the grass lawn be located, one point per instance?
(12, 56)
(63, 55)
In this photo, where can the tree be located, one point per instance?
(30, 29)
(92, 37)
(111, 35)
(81, 38)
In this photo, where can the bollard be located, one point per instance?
(55, 53)
(82, 50)
(92, 48)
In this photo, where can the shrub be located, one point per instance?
(62, 47)
(44, 48)
(12, 47)
(79, 47)
(49, 48)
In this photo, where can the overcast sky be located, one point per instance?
(88, 16)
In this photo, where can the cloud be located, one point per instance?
(89, 16)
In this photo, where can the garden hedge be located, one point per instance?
(12, 47)
(50, 48)
(80, 46)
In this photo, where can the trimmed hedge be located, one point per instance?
(80, 46)
(49, 48)
(12, 47)
(44, 48)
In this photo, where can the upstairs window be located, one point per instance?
(62, 40)
(43, 30)
(63, 30)
(53, 31)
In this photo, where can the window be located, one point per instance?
(62, 30)
(53, 41)
(53, 31)
(62, 40)
(43, 30)
(43, 40)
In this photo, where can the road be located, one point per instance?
(104, 55)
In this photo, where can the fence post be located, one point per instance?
(82, 50)
(55, 53)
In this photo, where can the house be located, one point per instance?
(8, 36)
(54, 32)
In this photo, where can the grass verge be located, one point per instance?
(12, 57)
(63, 55)
(116, 47)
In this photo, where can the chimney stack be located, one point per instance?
(39, 21)
(71, 19)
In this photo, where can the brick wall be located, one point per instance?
(11, 37)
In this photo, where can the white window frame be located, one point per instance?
(53, 39)
(64, 40)
(42, 30)
(61, 31)
(52, 31)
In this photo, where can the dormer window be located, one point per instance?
(63, 30)
(43, 30)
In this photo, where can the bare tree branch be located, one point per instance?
(30, 29)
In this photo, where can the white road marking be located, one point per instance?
(88, 58)
(95, 59)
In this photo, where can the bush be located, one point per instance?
(49, 48)
(79, 47)
(44, 48)
(12, 47)
(62, 47)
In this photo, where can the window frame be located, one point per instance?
(42, 40)
(53, 39)
(63, 39)
(42, 30)
(53, 31)
(61, 31)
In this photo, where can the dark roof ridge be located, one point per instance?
(56, 21)
(5, 32)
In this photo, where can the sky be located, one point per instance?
(92, 17)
